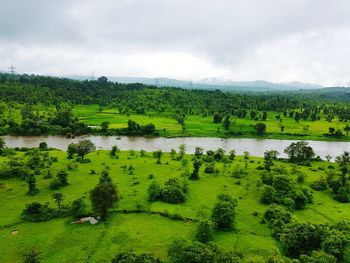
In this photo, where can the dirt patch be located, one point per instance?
(14, 232)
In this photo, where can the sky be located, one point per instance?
(272, 40)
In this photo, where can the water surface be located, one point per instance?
(256, 147)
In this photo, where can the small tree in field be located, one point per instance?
(84, 147)
(104, 126)
(71, 150)
(260, 128)
(158, 154)
(58, 198)
(103, 197)
(204, 231)
(114, 152)
(223, 213)
(196, 166)
(269, 157)
(300, 152)
(31, 181)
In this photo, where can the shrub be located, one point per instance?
(132, 257)
(204, 231)
(174, 191)
(154, 191)
(319, 185)
(223, 213)
(37, 212)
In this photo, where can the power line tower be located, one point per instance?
(12, 70)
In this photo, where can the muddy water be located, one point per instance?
(256, 147)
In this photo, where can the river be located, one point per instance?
(256, 147)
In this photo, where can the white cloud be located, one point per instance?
(240, 40)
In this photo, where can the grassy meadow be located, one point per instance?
(197, 125)
(59, 240)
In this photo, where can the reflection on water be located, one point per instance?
(255, 147)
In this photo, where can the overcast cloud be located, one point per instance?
(274, 40)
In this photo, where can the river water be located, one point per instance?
(256, 147)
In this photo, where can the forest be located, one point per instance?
(36, 105)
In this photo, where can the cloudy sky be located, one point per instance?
(273, 40)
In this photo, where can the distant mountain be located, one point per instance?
(214, 83)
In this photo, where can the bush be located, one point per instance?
(78, 208)
(132, 257)
(342, 196)
(204, 231)
(223, 213)
(268, 195)
(37, 212)
(319, 185)
(154, 191)
(174, 191)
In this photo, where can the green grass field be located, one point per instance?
(60, 241)
(203, 126)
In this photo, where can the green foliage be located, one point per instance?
(204, 231)
(78, 208)
(132, 257)
(174, 191)
(300, 152)
(103, 197)
(260, 128)
(154, 191)
(182, 251)
(37, 212)
(223, 213)
(31, 256)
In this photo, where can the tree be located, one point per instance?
(182, 151)
(2, 145)
(226, 122)
(154, 191)
(104, 126)
(103, 197)
(78, 208)
(232, 155)
(347, 129)
(43, 146)
(223, 213)
(198, 153)
(158, 154)
(105, 178)
(114, 151)
(132, 257)
(58, 198)
(71, 150)
(204, 231)
(335, 244)
(269, 157)
(84, 147)
(196, 166)
(31, 256)
(174, 191)
(300, 152)
(62, 177)
(318, 256)
(31, 181)
(217, 118)
(260, 128)
(344, 162)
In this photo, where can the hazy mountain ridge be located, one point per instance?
(215, 83)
